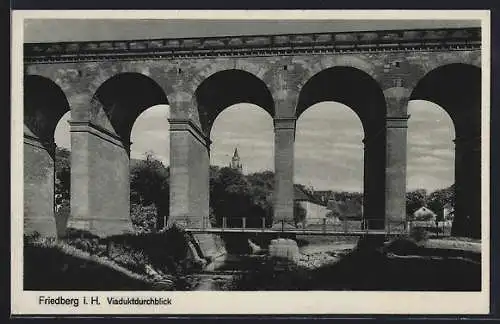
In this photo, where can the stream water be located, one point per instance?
(321, 267)
(223, 274)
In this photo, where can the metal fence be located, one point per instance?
(314, 225)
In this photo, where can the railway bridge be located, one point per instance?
(107, 84)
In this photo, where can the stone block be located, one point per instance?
(210, 245)
(285, 249)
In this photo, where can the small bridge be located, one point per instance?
(316, 226)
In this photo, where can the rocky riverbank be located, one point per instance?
(320, 259)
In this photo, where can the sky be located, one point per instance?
(328, 146)
(60, 30)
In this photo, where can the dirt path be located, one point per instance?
(453, 245)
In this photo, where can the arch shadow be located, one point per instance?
(44, 105)
(122, 98)
(226, 88)
(457, 89)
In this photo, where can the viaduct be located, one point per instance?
(107, 84)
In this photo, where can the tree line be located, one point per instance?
(233, 195)
(435, 201)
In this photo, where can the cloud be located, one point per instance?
(430, 147)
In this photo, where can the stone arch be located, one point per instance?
(359, 91)
(226, 88)
(245, 65)
(328, 62)
(457, 89)
(44, 105)
(121, 99)
(442, 59)
(349, 86)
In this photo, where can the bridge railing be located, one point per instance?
(325, 225)
(317, 225)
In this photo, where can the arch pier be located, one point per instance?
(106, 85)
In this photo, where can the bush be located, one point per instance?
(165, 250)
(31, 237)
(73, 233)
(144, 218)
(36, 239)
(419, 234)
(402, 246)
(84, 240)
(129, 258)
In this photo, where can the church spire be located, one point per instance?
(236, 162)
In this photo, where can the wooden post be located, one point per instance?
(345, 224)
(108, 247)
(263, 223)
(324, 225)
(244, 222)
(224, 222)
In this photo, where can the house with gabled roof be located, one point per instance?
(424, 214)
(316, 210)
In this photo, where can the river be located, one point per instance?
(222, 274)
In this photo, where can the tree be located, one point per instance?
(234, 196)
(63, 176)
(149, 184)
(414, 200)
(261, 190)
(439, 198)
(230, 196)
(299, 213)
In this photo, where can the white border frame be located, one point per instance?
(192, 303)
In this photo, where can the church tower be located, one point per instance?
(235, 162)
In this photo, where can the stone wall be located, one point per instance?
(38, 189)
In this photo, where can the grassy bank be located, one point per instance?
(81, 261)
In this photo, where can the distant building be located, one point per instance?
(424, 214)
(236, 162)
(316, 211)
